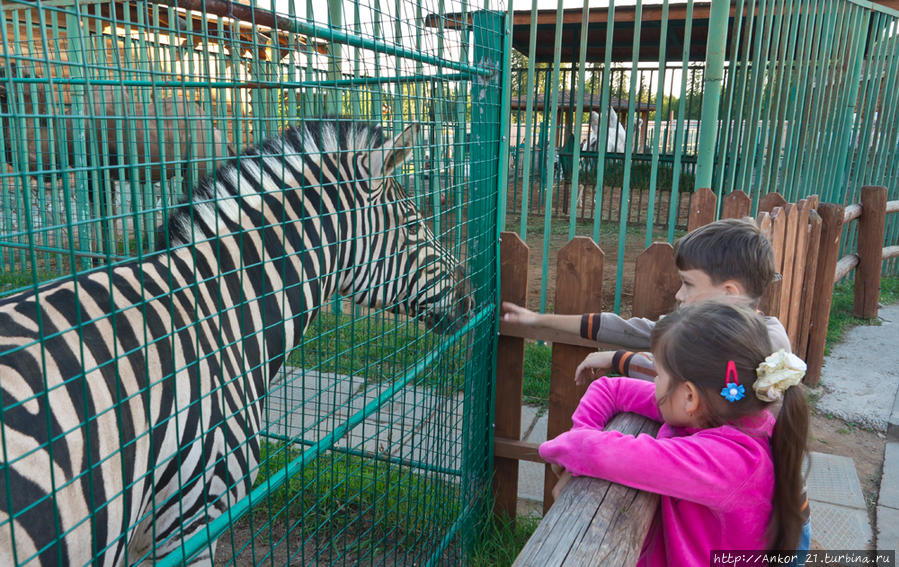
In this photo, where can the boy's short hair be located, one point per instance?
(729, 249)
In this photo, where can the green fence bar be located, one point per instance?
(711, 93)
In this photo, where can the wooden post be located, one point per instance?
(870, 251)
(656, 281)
(736, 205)
(509, 374)
(702, 208)
(828, 254)
(578, 290)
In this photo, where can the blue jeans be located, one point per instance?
(805, 541)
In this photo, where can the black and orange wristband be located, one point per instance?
(621, 361)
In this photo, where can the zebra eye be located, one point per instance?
(412, 228)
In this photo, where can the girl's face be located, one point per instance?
(676, 407)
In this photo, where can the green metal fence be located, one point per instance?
(754, 95)
(375, 444)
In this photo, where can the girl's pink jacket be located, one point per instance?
(715, 484)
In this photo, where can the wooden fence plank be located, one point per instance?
(736, 205)
(800, 250)
(870, 256)
(791, 212)
(808, 283)
(509, 370)
(578, 290)
(769, 304)
(656, 281)
(828, 253)
(778, 234)
(771, 201)
(702, 208)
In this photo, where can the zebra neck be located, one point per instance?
(268, 282)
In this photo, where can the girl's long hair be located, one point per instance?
(695, 344)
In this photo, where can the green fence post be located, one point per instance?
(711, 94)
(486, 145)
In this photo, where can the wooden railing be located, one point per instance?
(870, 253)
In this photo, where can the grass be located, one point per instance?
(501, 541)
(337, 492)
(378, 347)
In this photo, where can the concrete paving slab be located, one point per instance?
(839, 527)
(887, 528)
(529, 417)
(531, 475)
(302, 403)
(832, 479)
(856, 389)
(889, 482)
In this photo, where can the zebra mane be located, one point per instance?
(242, 177)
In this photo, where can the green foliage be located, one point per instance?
(336, 489)
(535, 385)
(502, 541)
(378, 347)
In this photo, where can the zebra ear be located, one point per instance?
(391, 155)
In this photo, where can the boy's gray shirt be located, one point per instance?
(634, 333)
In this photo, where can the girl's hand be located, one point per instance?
(595, 365)
(518, 314)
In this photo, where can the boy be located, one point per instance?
(727, 259)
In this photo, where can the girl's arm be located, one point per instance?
(707, 468)
(608, 396)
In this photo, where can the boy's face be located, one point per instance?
(696, 285)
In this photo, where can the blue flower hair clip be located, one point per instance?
(732, 391)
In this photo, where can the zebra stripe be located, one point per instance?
(132, 396)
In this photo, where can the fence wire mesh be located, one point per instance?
(247, 280)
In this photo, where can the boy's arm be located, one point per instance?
(604, 328)
(635, 365)
(609, 328)
(566, 324)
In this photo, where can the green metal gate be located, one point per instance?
(791, 96)
(376, 447)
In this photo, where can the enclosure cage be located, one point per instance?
(195, 192)
(620, 111)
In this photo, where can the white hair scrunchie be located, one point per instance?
(779, 371)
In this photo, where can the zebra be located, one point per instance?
(132, 395)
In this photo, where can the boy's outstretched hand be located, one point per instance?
(595, 365)
(518, 314)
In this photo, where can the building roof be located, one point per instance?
(623, 37)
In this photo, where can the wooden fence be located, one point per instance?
(806, 239)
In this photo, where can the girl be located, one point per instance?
(729, 476)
